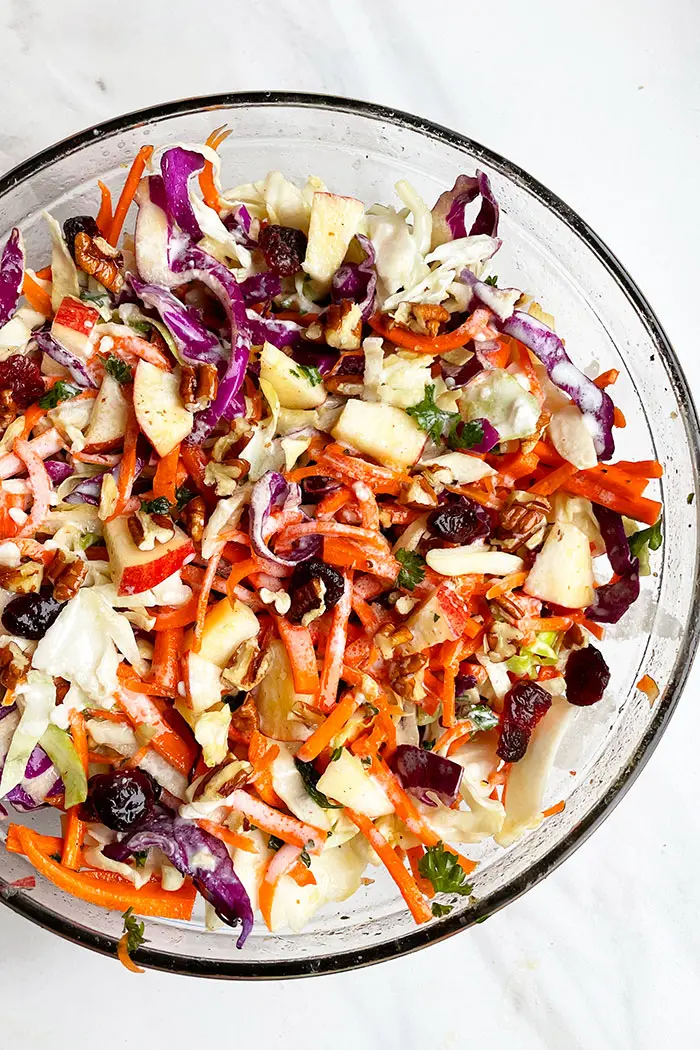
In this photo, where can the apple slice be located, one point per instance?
(134, 570)
(277, 700)
(291, 385)
(74, 326)
(226, 626)
(159, 409)
(333, 224)
(441, 618)
(202, 681)
(108, 418)
(563, 570)
(386, 433)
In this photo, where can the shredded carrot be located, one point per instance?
(636, 507)
(287, 828)
(619, 420)
(127, 466)
(35, 295)
(302, 875)
(206, 177)
(124, 957)
(554, 480)
(239, 572)
(165, 478)
(328, 730)
(203, 602)
(553, 810)
(104, 215)
(32, 416)
(426, 344)
(74, 827)
(177, 616)
(281, 863)
(413, 855)
(449, 658)
(44, 274)
(335, 648)
(648, 686)
(302, 657)
(508, 583)
(231, 838)
(332, 503)
(261, 755)
(143, 710)
(165, 668)
(544, 623)
(406, 884)
(608, 378)
(128, 192)
(369, 511)
(645, 468)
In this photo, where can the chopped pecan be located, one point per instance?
(100, 260)
(238, 468)
(428, 317)
(248, 667)
(343, 325)
(279, 599)
(13, 665)
(522, 522)
(8, 408)
(68, 573)
(499, 640)
(419, 492)
(198, 386)
(389, 638)
(24, 579)
(245, 719)
(193, 516)
(508, 608)
(149, 529)
(222, 780)
(308, 602)
(406, 676)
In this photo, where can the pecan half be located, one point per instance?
(13, 665)
(68, 573)
(406, 676)
(429, 317)
(198, 386)
(343, 325)
(24, 579)
(193, 516)
(522, 522)
(8, 408)
(499, 640)
(147, 530)
(100, 260)
(307, 602)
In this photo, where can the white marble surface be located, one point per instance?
(601, 101)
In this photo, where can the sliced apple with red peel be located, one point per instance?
(134, 570)
(159, 408)
(74, 326)
(441, 618)
(333, 224)
(108, 419)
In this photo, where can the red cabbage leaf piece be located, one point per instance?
(271, 491)
(195, 343)
(11, 275)
(177, 166)
(612, 600)
(449, 212)
(596, 405)
(357, 281)
(196, 853)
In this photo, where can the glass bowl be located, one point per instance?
(362, 150)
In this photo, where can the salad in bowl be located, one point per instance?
(310, 531)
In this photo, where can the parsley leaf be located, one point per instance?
(160, 505)
(310, 775)
(274, 843)
(140, 858)
(493, 281)
(305, 858)
(482, 717)
(690, 497)
(443, 871)
(88, 538)
(412, 569)
(651, 538)
(465, 435)
(439, 910)
(336, 753)
(427, 745)
(134, 931)
(118, 369)
(183, 495)
(309, 372)
(60, 391)
(429, 417)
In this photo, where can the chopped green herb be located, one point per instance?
(650, 538)
(118, 369)
(60, 391)
(371, 710)
(439, 910)
(436, 617)
(274, 843)
(482, 717)
(305, 858)
(493, 280)
(56, 857)
(690, 497)
(88, 538)
(183, 495)
(443, 871)
(336, 753)
(465, 435)
(427, 745)
(309, 372)
(160, 505)
(140, 858)
(310, 776)
(482, 919)
(431, 418)
(412, 569)
(366, 761)
(134, 931)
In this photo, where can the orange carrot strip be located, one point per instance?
(554, 480)
(322, 737)
(619, 420)
(75, 828)
(413, 855)
(239, 572)
(177, 616)
(335, 648)
(261, 755)
(165, 668)
(281, 863)
(551, 623)
(46, 843)
(302, 875)
(127, 466)
(332, 503)
(142, 710)
(203, 602)
(636, 507)
(124, 957)
(369, 511)
(558, 808)
(643, 468)
(607, 378)
(648, 686)
(449, 658)
(406, 884)
(302, 657)
(426, 344)
(35, 295)
(287, 828)
(165, 478)
(206, 177)
(45, 274)
(115, 893)
(32, 416)
(127, 194)
(368, 619)
(231, 838)
(104, 215)
(508, 583)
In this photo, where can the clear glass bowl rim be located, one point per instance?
(421, 937)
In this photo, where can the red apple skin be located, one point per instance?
(138, 578)
(79, 316)
(454, 607)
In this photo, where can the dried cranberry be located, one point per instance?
(316, 487)
(305, 596)
(79, 224)
(587, 676)
(525, 704)
(283, 248)
(460, 520)
(513, 743)
(30, 615)
(123, 798)
(23, 377)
